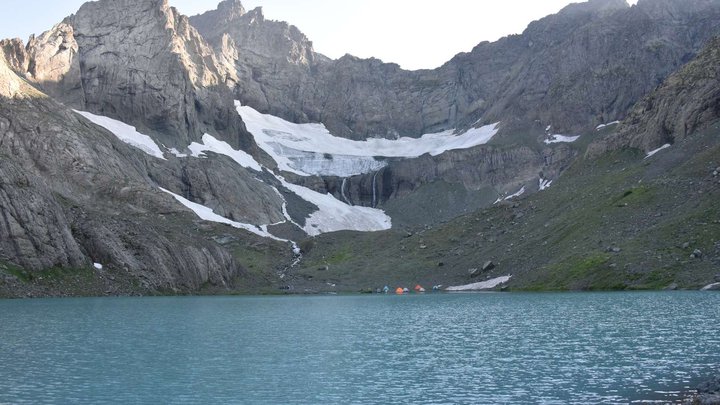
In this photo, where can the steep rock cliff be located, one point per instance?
(138, 61)
(687, 101)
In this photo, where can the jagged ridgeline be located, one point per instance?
(147, 152)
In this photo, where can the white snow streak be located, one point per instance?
(286, 142)
(517, 194)
(98, 266)
(710, 287)
(483, 285)
(210, 144)
(125, 133)
(544, 184)
(601, 126)
(561, 138)
(652, 152)
(207, 214)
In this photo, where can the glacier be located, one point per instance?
(299, 148)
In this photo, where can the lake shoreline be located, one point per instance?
(706, 393)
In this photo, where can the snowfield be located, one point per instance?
(561, 139)
(286, 142)
(653, 152)
(601, 126)
(334, 215)
(210, 144)
(483, 285)
(125, 133)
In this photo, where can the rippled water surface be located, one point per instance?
(434, 348)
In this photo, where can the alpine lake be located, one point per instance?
(434, 348)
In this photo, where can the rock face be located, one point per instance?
(71, 194)
(584, 66)
(138, 61)
(685, 102)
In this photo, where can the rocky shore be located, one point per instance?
(708, 393)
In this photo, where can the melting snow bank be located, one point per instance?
(125, 133)
(601, 126)
(713, 286)
(207, 214)
(652, 152)
(517, 194)
(286, 141)
(561, 138)
(334, 215)
(544, 184)
(210, 144)
(483, 285)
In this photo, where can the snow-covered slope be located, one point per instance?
(332, 214)
(125, 133)
(310, 149)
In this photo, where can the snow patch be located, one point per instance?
(601, 126)
(561, 138)
(652, 152)
(98, 266)
(334, 215)
(286, 141)
(544, 184)
(483, 285)
(211, 144)
(177, 153)
(517, 194)
(125, 133)
(207, 214)
(710, 287)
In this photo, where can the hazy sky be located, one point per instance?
(413, 33)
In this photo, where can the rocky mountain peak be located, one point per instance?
(231, 8)
(9, 82)
(251, 32)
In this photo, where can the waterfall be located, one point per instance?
(374, 200)
(342, 191)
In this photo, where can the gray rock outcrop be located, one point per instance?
(72, 194)
(138, 61)
(687, 101)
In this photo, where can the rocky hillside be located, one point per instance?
(618, 218)
(687, 101)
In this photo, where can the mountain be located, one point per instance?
(581, 67)
(628, 214)
(147, 152)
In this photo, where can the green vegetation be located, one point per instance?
(618, 221)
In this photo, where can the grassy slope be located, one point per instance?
(557, 239)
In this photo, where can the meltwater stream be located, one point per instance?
(435, 349)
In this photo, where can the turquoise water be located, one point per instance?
(434, 348)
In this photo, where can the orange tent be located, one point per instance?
(399, 291)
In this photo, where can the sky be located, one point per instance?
(416, 34)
